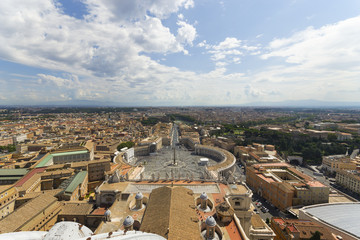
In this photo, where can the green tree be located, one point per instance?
(9, 148)
(332, 137)
(128, 144)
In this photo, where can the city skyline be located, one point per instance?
(180, 52)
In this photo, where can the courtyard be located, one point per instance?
(161, 164)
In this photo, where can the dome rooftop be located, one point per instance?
(128, 221)
(68, 231)
(203, 196)
(139, 195)
(210, 221)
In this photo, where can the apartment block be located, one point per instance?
(284, 186)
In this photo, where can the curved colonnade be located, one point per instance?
(226, 160)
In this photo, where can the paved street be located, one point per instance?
(273, 211)
(175, 135)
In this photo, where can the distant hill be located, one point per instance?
(304, 103)
(309, 103)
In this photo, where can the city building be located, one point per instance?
(31, 182)
(286, 229)
(75, 187)
(97, 169)
(53, 179)
(340, 218)
(170, 213)
(259, 230)
(38, 214)
(80, 212)
(341, 136)
(226, 160)
(20, 200)
(8, 195)
(256, 153)
(349, 179)
(239, 198)
(10, 176)
(63, 156)
(128, 154)
(325, 125)
(163, 204)
(73, 156)
(284, 186)
(333, 163)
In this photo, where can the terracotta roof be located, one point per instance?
(28, 176)
(69, 208)
(238, 189)
(56, 172)
(99, 211)
(225, 209)
(171, 213)
(285, 186)
(306, 228)
(29, 179)
(5, 187)
(55, 166)
(300, 174)
(79, 164)
(120, 186)
(25, 213)
(99, 161)
(281, 164)
(315, 184)
(30, 195)
(257, 222)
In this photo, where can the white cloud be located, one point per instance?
(69, 82)
(331, 46)
(228, 51)
(252, 92)
(108, 43)
(321, 63)
(186, 33)
(221, 64)
(121, 11)
(38, 33)
(228, 43)
(105, 56)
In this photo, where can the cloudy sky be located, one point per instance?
(179, 52)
